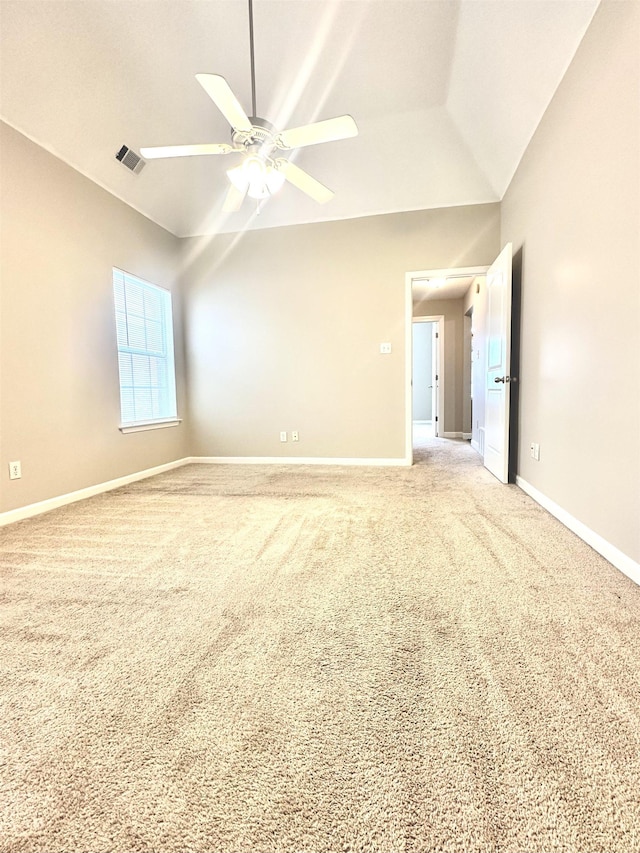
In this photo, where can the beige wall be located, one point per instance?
(573, 207)
(453, 373)
(284, 326)
(60, 409)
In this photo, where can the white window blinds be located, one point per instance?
(145, 350)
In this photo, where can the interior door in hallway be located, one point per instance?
(435, 379)
(497, 374)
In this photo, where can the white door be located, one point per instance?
(435, 378)
(498, 377)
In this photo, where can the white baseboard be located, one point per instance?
(30, 510)
(621, 561)
(62, 500)
(614, 555)
(467, 436)
(299, 460)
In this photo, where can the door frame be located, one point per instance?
(409, 278)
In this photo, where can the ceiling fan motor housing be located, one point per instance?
(262, 135)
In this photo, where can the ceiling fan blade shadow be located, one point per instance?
(220, 93)
(329, 130)
(234, 199)
(160, 151)
(303, 181)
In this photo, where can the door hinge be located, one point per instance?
(436, 419)
(437, 334)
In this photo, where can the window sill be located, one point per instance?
(142, 426)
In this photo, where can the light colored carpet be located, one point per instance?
(237, 659)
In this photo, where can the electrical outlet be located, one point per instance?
(283, 436)
(15, 471)
(535, 451)
(295, 436)
(385, 348)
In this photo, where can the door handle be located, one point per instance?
(502, 379)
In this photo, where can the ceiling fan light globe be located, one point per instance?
(255, 170)
(238, 178)
(258, 190)
(255, 173)
(275, 180)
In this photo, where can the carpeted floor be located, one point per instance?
(242, 659)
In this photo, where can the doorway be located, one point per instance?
(438, 295)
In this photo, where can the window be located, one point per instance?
(145, 353)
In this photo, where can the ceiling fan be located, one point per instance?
(262, 172)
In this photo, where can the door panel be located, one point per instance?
(498, 366)
(435, 378)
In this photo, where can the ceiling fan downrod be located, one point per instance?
(253, 62)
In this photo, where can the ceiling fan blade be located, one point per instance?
(185, 150)
(329, 130)
(303, 181)
(234, 198)
(220, 93)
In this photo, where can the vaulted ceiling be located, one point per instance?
(446, 94)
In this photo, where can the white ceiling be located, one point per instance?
(446, 94)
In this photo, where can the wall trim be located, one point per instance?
(465, 435)
(30, 510)
(399, 461)
(614, 555)
(40, 507)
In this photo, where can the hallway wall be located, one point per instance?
(453, 368)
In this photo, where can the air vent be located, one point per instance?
(131, 160)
